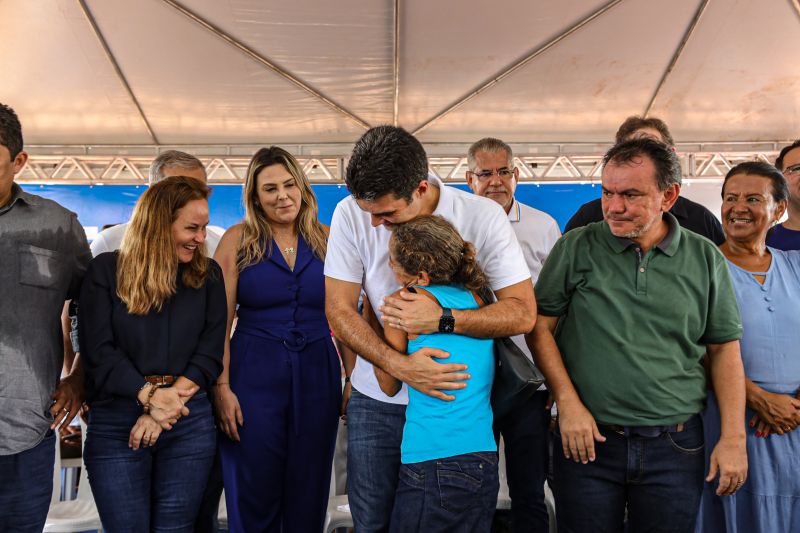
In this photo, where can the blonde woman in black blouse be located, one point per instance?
(152, 327)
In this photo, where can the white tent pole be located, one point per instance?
(114, 64)
(516, 66)
(396, 110)
(676, 55)
(267, 63)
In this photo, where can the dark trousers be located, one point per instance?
(526, 438)
(451, 495)
(209, 507)
(26, 486)
(277, 478)
(374, 435)
(150, 489)
(659, 479)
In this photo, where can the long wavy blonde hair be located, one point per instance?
(257, 232)
(147, 268)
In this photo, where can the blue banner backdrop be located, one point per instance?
(97, 205)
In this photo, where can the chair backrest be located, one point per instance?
(84, 489)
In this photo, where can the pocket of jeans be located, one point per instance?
(412, 477)
(459, 484)
(690, 441)
(40, 267)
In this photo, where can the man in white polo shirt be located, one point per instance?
(389, 184)
(167, 164)
(492, 174)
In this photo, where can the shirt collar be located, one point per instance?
(668, 245)
(514, 213)
(444, 207)
(18, 195)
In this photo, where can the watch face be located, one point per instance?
(447, 324)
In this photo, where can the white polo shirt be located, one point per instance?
(537, 233)
(359, 253)
(110, 239)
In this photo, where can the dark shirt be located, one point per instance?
(690, 215)
(118, 349)
(43, 256)
(783, 239)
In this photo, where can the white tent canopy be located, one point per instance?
(307, 71)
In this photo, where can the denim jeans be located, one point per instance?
(451, 495)
(374, 434)
(150, 489)
(526, 437)
(659, 479)
(26, 486)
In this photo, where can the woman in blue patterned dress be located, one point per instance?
(278, 396)
(767, 286)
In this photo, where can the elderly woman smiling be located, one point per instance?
(767, 286)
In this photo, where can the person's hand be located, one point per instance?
(346, 392)
(168, 404)
(578, 430)
(145, 433)
(421, 372)
(729, 459)
(229, 412)
(413, 313)
(67, 400)
(779, 412)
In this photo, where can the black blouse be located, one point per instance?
(118, 349)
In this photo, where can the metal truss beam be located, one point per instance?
(497, 78)
(258, 58)
(113, 60)
(678, 51)
(558, 165)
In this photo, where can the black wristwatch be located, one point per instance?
(447, 322)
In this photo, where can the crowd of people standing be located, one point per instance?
(668, 342)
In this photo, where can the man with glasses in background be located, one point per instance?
(786, 236)
(492, 174)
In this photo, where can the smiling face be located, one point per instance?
(500, 184)
(189, 229)
(278, 195)
(632, 203)
(748, 208)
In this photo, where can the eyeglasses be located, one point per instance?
(794, 169)
(503, 173)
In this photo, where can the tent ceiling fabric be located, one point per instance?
(735, 79)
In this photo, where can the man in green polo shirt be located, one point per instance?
(628, 308)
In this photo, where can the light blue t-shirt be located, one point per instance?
(435, 428)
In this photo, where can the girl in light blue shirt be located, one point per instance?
(448, 478)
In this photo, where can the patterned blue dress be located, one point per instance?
(770, 499)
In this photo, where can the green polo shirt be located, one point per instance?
(634, 327)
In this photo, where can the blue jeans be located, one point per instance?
(374, 434)
(150, 489)
(526, 436)
(451, 495)
(659, 479)
(26, 486)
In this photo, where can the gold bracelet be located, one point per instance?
(218, 383)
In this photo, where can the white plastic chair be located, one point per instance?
(336, 518)
(75, 515)
(222, 512)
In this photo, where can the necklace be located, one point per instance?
(289, 250)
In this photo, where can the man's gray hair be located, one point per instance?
(173, 158)
(488, 144)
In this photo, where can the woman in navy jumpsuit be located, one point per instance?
(278, 397)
